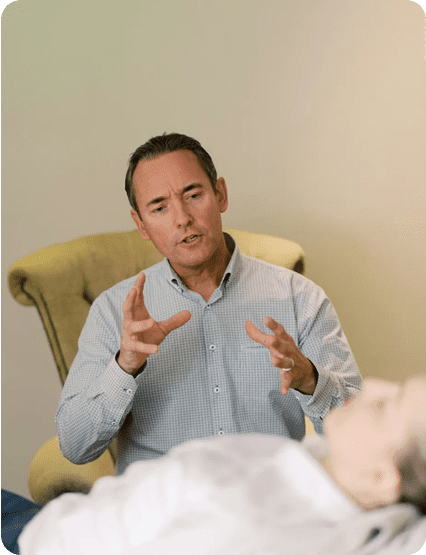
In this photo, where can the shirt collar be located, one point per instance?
(232, 270)
(235, 264)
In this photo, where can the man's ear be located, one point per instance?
(221, 191)
(139, 224)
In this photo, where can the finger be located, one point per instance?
(286, 379)
(142, 325)
(134, 291)
(140, 281)
(277, 346)
(139, 285)
(134, 306)
(128, 304)
(282, 361)
(271, 342)
(275, 327)
(254, 333)
(139, 347)
(176, 321)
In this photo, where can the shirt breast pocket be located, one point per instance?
(257, 377)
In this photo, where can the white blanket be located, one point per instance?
(246, 494)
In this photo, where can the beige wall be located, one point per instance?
(314, 111)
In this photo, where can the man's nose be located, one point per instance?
(182, 215)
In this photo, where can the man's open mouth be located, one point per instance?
(190, 239)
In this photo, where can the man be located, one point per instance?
(261, 494)
(184, 350)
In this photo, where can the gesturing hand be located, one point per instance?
(296, 371)
(141, 334)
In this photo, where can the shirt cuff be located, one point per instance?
(327, 395)
(115, 385)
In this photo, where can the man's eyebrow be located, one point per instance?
(156, 200)
(190, 187)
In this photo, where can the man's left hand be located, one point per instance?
(296, 371)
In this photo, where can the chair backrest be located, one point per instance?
(63, 280)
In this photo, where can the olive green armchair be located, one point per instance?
(62, 281)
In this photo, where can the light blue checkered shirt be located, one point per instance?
(208, 377)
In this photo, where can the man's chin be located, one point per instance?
(195, 255)
(192, 264)
(187, 259)
(192, 255)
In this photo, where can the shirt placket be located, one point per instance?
(218, 394)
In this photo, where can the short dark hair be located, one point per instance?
(164, 144)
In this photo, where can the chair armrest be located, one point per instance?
(51, 474)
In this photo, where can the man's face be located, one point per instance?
(366, 435)
(179, 210)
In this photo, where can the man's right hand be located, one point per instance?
(141, 334)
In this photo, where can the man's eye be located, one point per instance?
(159, 209)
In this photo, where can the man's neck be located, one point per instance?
(206, 278)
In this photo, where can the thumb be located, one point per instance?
(175, 321)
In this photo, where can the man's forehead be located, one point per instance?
(178, 163)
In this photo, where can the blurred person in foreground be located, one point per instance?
(360, 489)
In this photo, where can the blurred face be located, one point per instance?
(180, 212)
(366, 435)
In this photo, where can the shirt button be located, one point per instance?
(113, 422)
(128, 391)
(208, 306)
(220, 432)
(212, 347)
(217, 389)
